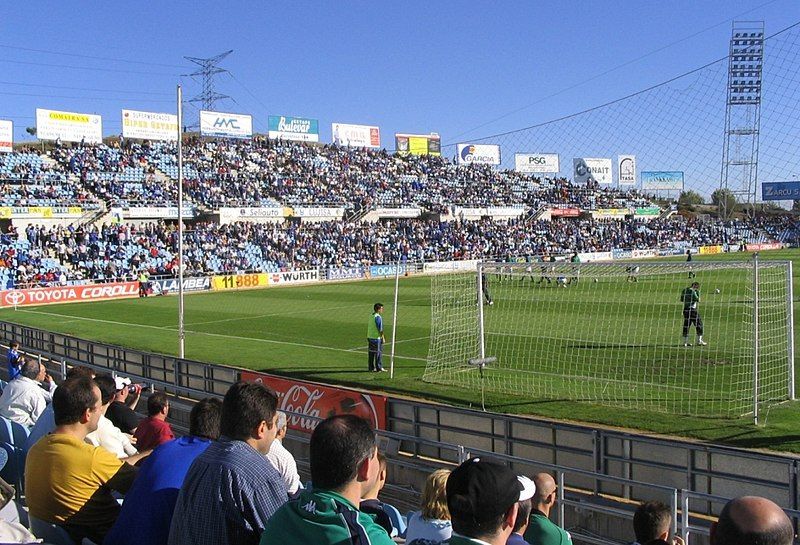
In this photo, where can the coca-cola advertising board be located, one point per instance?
(317, 401)
(68, 294)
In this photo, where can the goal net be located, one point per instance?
(612, 333)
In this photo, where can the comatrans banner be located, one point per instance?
(626, 169)
(6, 136)
(356, 136)
(590, 169)
(293, 128)
(662, 180)
(170, 285)
(294, 277)
(479, 154)
(68, 294)
(418, 144)
(306, 402)
(536, 162)
(225, 124)
(68, 126)
(149, 125)
(238, 281)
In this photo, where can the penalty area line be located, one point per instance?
(220, 335)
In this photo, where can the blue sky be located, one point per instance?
(457, 68)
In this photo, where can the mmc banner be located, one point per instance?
(418, 144)
(225, 124)
(293, 128)
(68, 126)
(149, 125)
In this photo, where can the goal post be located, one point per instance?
(613, 333)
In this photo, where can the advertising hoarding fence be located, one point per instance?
(293, 128)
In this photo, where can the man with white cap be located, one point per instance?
(482, 497)
(121, 412)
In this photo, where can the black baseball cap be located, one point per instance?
(482, 489)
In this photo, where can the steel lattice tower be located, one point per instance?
(208, 69)
(743, 114)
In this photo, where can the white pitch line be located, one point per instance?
(160, 328)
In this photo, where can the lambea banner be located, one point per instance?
(293, 128)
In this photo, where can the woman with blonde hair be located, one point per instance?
(431, 524)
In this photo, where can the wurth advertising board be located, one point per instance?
(306, 402)
(68, 294)
(68, 126)
(293, 277)
(225, 124)
(356, 136)
(6, 136)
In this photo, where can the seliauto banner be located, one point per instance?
(293, 128)
(225, 124)
(170, 285)
(68, 294)
(68, 126)
(149, 125)
(345, 273)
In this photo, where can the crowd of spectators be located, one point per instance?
(47, 256)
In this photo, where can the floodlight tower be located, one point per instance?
(208, 69)
(742, 115)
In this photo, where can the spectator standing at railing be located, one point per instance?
(13, 358)
(752, 520)
(542, 531)
(24, 399)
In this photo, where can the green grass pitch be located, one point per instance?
(317, 332)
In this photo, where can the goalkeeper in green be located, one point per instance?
(690, 297)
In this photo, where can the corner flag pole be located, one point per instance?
(394, 316)
(181, 333)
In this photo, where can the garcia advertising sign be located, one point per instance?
(293, 128)
(478, 154)
(225, 124)
(68, 126)
(356, 136)
(626, 169)
(418, 144)
(591, 169)
(307, 403)
(662, 180)
(149, 125)
(68, 294)
(536, 162)
(6, 136)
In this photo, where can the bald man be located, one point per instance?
(541, 530)
(752, 520)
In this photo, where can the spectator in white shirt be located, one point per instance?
(282, 460)
(107, 435)
(24, 399)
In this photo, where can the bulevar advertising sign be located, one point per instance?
(68, 294)
(307, 399)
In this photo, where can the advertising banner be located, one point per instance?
(565, 212)
(479, 154)
(68, 126)
(536, 162)
(493, 211)
(294, 277)
(621, 254)
(345, 273)
(418, 144)
(617, 213)
(170, 285)
(6, 136)
(626, 169)
(239, 281)
(763, 246)
(706, 250)
(149, 125)
(450, 266)
(225, 124)
(663, 252)
(640, 254)
(310, 402)
(647, 211)
(356, 136)
(227, 215)
(68, 294)
(590, 169)
(662, 180)
(770, 191)
(398, 212)
(317, 212)
(595, 256)
(293, 128)
(145, 212)
(32, 212)
(387, 270)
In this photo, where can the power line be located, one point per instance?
(83, 97)
(31, 63)
(84, 88)
(80, 56)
